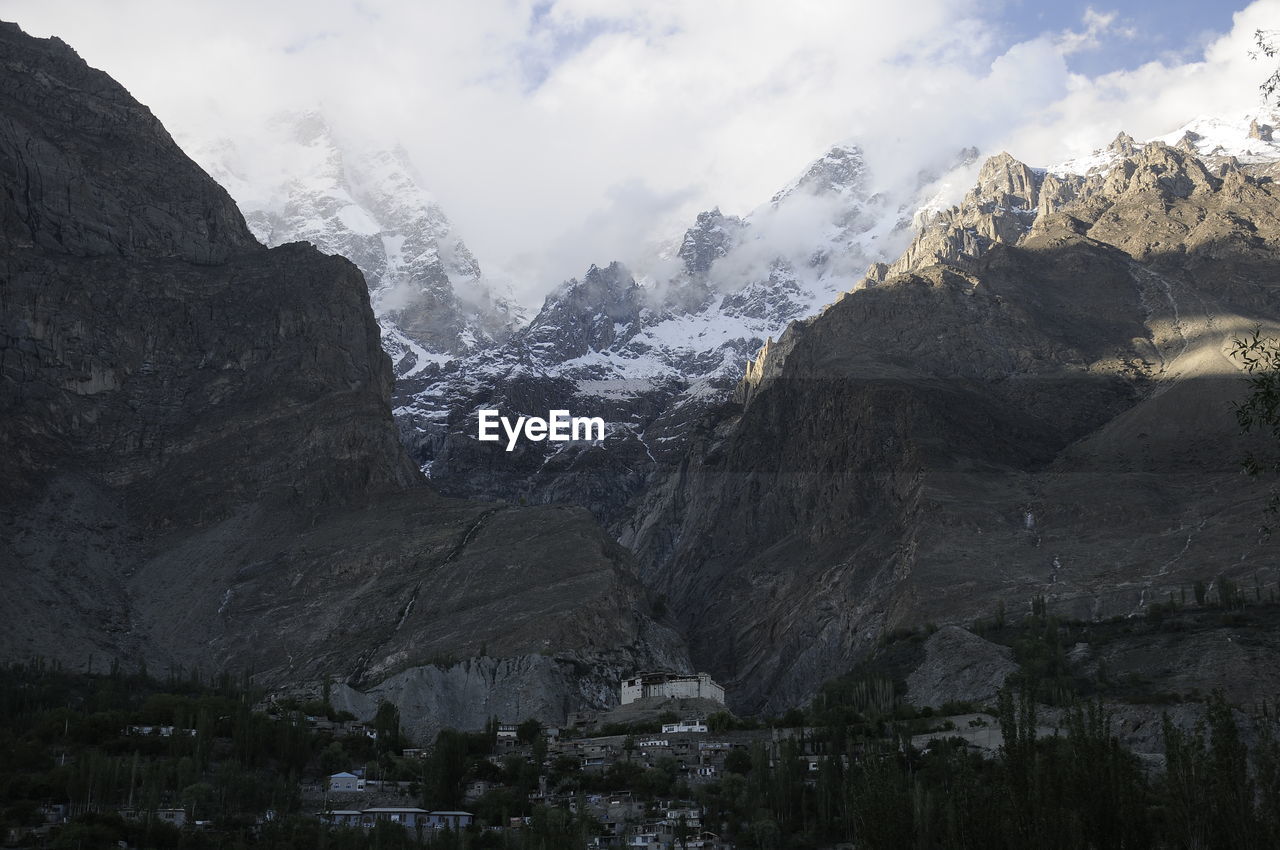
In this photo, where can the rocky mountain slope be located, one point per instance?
(198, 462)
(653, 354)
(1035, 399)
(368, 204)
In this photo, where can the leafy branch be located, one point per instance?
(1259, 412)
(1268, 42)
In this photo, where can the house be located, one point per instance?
(643, 841)
(683, 726)
(400, 786)
(595, 757)
(345, 782)
(582, 718)
(343, 817)
(176, 817)
(409, 817)
(55, 812)
(161, 731)
(477, 789)
(450, 820)
(678, 814)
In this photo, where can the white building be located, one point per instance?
(342, 782)
(671, 685)
(684, 726)
(410, 817)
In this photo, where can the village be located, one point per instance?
(125, 760)
(644, 774)
(581, 771)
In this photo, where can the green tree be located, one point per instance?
(446, 771)
(738, 761)
(1259, 413)
(386, 723)
(333, 759)
(529, 731)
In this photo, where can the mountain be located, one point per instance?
(198, 461)
(367, 203)
(1034, 400)
(650, 354)
(654, 354)
(849, 413)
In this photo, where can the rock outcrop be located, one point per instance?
(959, 667)
(198, 461)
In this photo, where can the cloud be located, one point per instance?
(1097, 26)
(558, 133)
(1151, 100)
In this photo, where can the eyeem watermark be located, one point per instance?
(558, 427)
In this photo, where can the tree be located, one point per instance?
(386, 724)
(333, 758)
(738, 761)
(1268, 42)
(1259, 413)
(529, 731)
(446, 771)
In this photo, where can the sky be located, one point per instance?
(560, 133)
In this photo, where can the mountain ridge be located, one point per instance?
(1026, 390)
(200, 464)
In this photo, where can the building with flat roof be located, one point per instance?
(671, 686)
(411, 818)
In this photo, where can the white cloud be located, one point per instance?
(1097, 26)
(562, 133)
(1151, 100)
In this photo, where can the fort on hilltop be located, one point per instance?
(671, 686)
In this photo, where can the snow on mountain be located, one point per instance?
(656, 355)
(428, 292)
(1246, 137)
(653, 355)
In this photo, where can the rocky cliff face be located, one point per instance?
(1034, 400)
(652, 356)
(198, 462)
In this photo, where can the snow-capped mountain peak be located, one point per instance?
(370, 205)
(652, 357)
(1247, 137)
(841, 171)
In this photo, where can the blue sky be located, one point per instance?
(1174, 30)
(1138, 32)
